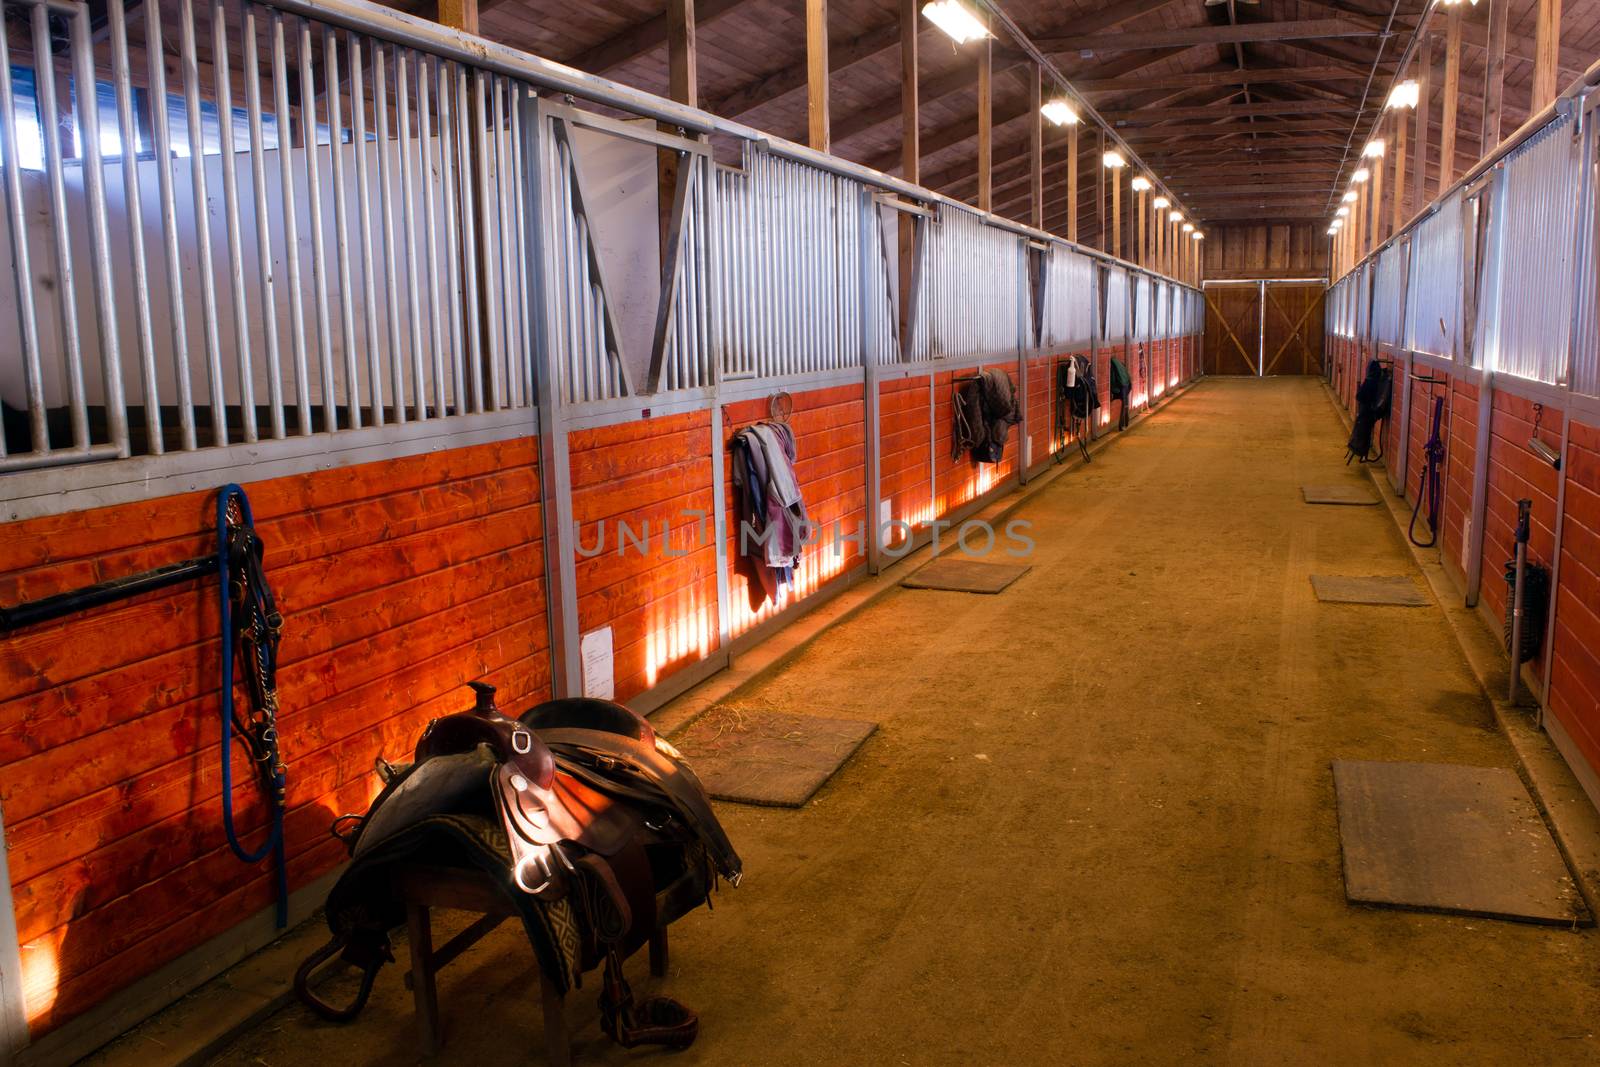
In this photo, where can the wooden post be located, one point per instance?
(1144, 240)
(1399, 151)
(1100, 194)
(1036, 147)
(910, 151)
(1072, 182)
(1377, 199)
(1494, 74)
(1358, 219)
(1116, 209)
(459, 14)
(683, 85)
(1424, 92)
(818, 131)
(1452, 90)
(985, 125)
(1546, 54)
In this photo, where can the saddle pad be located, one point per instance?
(965, 575)
(768, 757)
(1443, 837)
(1395, 589)
(1337, 494)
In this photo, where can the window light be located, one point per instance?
(954, 19)
(1114, 160)
(1059, 112)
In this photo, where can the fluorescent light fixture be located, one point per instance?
(1343, 211)
(1361, 175)
(1141, 183)
(1351, 196)
(1059, 112)
(1404, 95)
(1176, 216)
(1188, 227)
(1162, 203)
(1374, 148)
(954, 19)
(1114, 160)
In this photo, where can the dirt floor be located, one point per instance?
(1097, 823)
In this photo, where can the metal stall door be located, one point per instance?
(1233, 329)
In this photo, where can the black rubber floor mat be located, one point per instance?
(965, 575)
(1444, 837)
(768, 757)
(1391, 589)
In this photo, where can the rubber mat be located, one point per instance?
(1444, 837)
(1395, 589)
(768, 757)
(964, 575)
(1337, 494)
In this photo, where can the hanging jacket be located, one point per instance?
(771, 510)
(1373, 398)
(1121, 381)
(985, 411)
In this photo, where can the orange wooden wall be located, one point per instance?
(399, 581)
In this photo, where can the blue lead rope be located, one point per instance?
(239, 550)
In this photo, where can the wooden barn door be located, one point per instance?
(1233, 329)
(1292, 338)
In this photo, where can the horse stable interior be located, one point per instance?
(794, 531)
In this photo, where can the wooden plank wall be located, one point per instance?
(399, 582)
(1514, 472)
(1266, 250)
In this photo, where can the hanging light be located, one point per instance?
(1059, 112)
(1162, 203)
(954, 19)
(1188, 227)
(1176, 216)
(1332, 230)
(1198, 236)
(1141, 184)
(1374, 149)
(1114, 160)
(1361, 175)
(1343, 211)
(1351, 196)
(1404, 95)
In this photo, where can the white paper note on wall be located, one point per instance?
(598, 676)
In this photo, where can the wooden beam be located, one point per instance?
(1424, 98)
(1244, 32)
(817, 135)
(683, 59)
(1223, 77)
(1072, 181)
(1036, 146)
(1398, 150)
(1116, 209)
(1376, 181)
(643, 38)
(910, 154)
(1547, 55)
(1211, 111)
(459, 15)
(985, 125)
(1452, 89)
(1494, 73)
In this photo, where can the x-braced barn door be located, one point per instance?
(1264, 327)
(1233, 329)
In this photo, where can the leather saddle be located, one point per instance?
(593, 826)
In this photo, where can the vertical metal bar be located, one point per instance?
(341, 232)
(284, 118)
(453, 269)
(21, 267)
(426, 141)
(160, 125)
(358, 116)
(391, 291)
(408, 216)
(480, 120)
(469, 240)
(213, 344)
(223, 84)
(258, 174)
(50, 127)
(522, 359)
(129, 137)
(319, 260)
(503, 236)
(1261, 331)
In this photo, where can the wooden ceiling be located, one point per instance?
(1246, 110)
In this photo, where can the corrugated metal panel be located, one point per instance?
(1390, 273)
(1433, 299)
(969, 292)
(1115, 326)
(1068, 299)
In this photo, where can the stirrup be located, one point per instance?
(652, 1021)
(369, 973)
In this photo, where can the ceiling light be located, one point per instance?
(1361, 175)
(1374, 149)
(1404, 95)
(1198, 236)
(954, 19)
(1188, 227)
(1141, 183)
(1332, 230)
(1162, 203)
(1176, 216)
(1059, 112)
(1342, 212)
(1114, 160)
(1351, 196)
